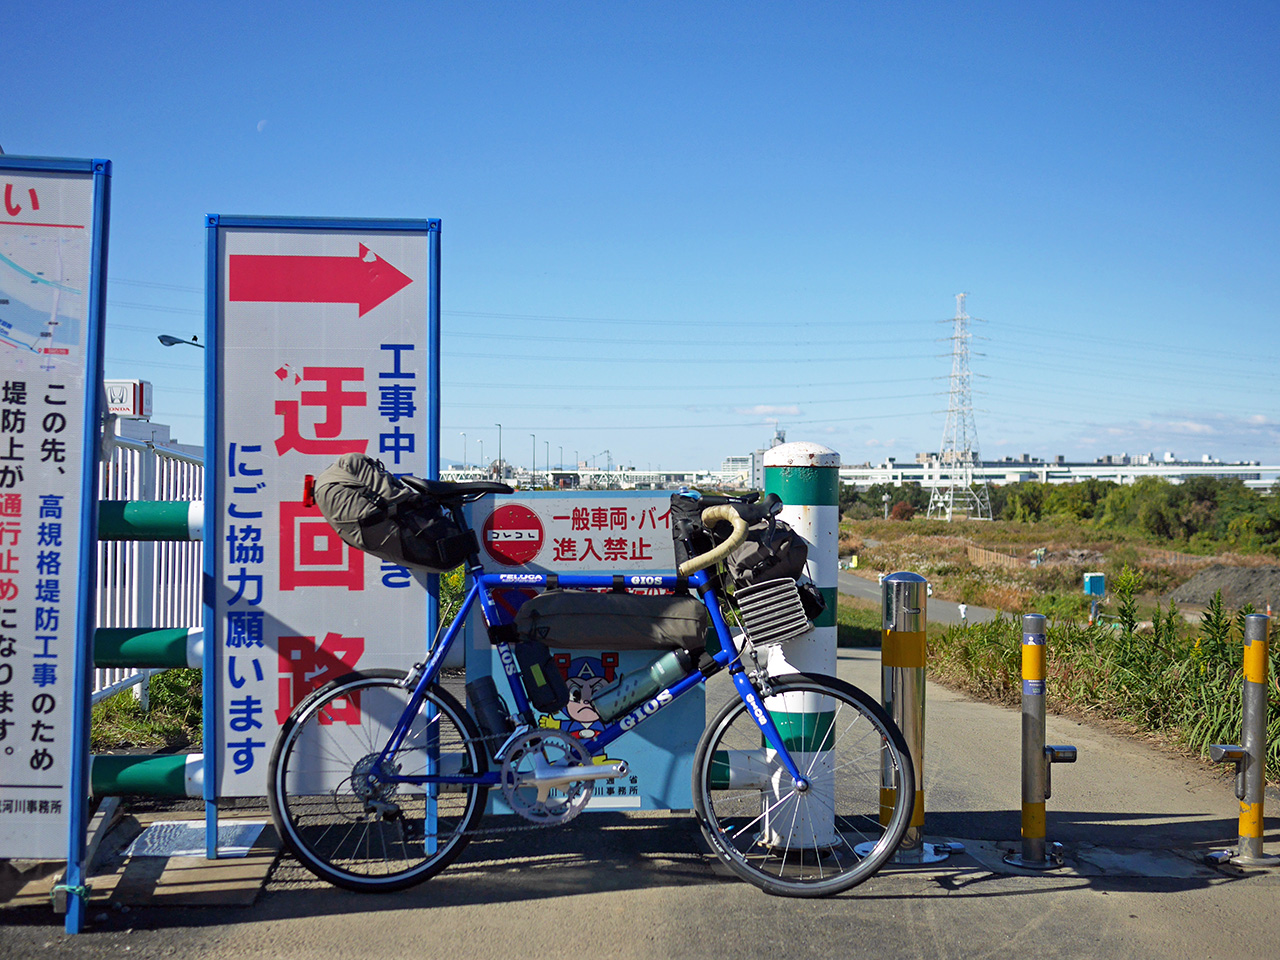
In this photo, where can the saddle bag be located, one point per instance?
(577, 620)
(374, 511)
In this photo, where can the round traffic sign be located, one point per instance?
(513, 534)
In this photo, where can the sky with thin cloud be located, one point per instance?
(670, 229)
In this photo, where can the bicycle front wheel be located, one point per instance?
(850, 817)
(334, 804)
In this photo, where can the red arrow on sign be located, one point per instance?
(366, 279)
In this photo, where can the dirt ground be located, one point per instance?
(1239, 585)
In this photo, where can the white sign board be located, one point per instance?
(47, 353)
(320, 347)
(606, 532)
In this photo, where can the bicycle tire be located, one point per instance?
(412, 832)
(788, 843)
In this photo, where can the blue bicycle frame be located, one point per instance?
(482, 584)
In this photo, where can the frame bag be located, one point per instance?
(579, 620)
(372, 510)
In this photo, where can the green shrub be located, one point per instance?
(1162, 681)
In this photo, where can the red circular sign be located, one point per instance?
(513, 535)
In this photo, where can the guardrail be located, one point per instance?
(146, 583)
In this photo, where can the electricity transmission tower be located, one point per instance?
(956, 491)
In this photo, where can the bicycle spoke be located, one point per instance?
(347, 822)
(808, 849)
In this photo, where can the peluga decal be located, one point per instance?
(648, 709)
(521, 577)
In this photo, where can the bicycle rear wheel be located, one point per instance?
(345, 823)
(860, 795)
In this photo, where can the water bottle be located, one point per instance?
(635, 688)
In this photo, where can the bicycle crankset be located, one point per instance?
(547, 776)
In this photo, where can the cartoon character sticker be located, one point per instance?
(586, 676)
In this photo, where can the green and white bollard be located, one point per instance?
(806, 476)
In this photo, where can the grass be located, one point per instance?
(1182, 684)
(173, 721)
(857, 622)
(937, 550)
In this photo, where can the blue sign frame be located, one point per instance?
(214, 225)
(86, 583)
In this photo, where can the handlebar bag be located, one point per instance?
(374, 511)
(771, 551)
(578, 620)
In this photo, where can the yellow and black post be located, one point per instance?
(1250, 757)
(1036, 757)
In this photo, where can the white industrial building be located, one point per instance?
(746, 472)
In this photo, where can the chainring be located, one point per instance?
(530, 754)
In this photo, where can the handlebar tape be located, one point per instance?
(710, 517)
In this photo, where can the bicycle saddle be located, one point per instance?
(445, 489)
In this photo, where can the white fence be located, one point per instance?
(142, 584)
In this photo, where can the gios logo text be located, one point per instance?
(508, 661)
(648, 709)
(756, 710)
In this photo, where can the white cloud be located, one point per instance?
(262, 125)
(762, 410)
(1191, 426)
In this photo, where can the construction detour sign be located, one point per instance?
(319, 347)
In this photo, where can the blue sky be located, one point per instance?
(667, 226)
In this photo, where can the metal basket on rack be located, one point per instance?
(771, 612)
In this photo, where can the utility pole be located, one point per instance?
(956, 489)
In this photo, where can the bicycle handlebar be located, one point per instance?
(710, 517)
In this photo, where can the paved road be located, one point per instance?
(1133, 820)
(939, 610)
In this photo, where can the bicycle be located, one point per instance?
(802, 785)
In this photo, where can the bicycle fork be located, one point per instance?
(764, 720)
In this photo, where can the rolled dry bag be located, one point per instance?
(371, 509)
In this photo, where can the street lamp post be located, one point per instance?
(483, 465)
(533, 476)
(169, 341)
(499, 451)
(464, 451)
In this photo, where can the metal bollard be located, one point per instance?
(1250, 757)
(1037, 759)
(902, 655)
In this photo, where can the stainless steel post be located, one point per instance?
(902, 656)
(1036, 757)
(1250, 757)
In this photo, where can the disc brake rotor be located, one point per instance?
(534, 758)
